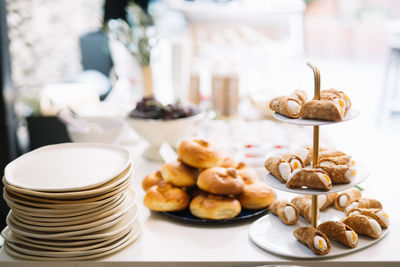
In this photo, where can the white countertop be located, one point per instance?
(178, 244)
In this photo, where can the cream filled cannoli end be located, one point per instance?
(314, 239)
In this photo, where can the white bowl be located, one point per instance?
(101, 130)
(171, 131)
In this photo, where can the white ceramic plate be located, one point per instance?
(118, 212)
(106, 230)
(351, 114)
(62, 197)
(271, 234)
(134, 234)
(67, 167)
(362, 175)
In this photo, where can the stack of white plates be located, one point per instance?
(70, 202)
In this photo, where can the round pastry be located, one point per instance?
(199, 153)
(248, 174)
(179, 174)
(256, 196)
(215, 207)
(151, 179)
(220, 181)
(165, 197)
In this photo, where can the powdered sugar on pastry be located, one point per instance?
(285, 170)
(320, 243)
(352, 237)
(375, 226)
(290, 213)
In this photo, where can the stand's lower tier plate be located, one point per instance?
(271, 234)
(351, 114)
(362, 175)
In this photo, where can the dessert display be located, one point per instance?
(207, 182)
(286, 211)
(363, 225)
(314, 239)
(333, 105)
(340, 232)
(344, 198)
(99, 210)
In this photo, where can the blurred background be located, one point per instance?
(230, 56)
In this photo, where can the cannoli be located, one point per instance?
(288, 107)
(278, 167)
(339, 174)
(314, 239)
(363, 203)
(286, 211)
(324, 201)
(306, 154)
(340, 232)
(377, 214)
(363, 225)
(338, 160)
(345, 100)
(294, 160)
(346, 197)
(322, 110)
(303, 203)
(312, 178)
(299, 95)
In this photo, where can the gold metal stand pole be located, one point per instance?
(317, 89)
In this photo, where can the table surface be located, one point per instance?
(177, 244)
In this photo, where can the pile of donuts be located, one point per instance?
(206, 180)
(363, 216)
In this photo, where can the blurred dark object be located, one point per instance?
(150, 108)
(115, 9)
(46, 131)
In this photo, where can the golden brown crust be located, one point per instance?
(220, 181)
(199, 154)
(256, 196)
(336, 172)
(278, 208)
(303, 203)
(352, 194)
(151, 179)
(337, 230)
(306, 236)
(291, 156)
(248, 174)
(371, 213)
(338, 160)
(367, 203)
(361, 225)
(228, 162)
(179, 174)
(308, 177)
(272, 165)
(300, 95)
(165, 197)
(330, 199)
(321, 110)
(280, 105)
(215, 207)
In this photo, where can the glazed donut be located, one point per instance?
(165, 197)
(220, 181)
(199, 154)
(179, 174)
(256, 196)
(248, 174)
(151, 179)
(215, 207)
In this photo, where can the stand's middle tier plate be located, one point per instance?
(351, 114)
(362, 175)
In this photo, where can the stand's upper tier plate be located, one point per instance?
(351, 114)
(362, 175)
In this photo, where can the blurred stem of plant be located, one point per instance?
(137, 36)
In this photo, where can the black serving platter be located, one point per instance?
(188, 217)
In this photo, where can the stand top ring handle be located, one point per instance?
(317, 81)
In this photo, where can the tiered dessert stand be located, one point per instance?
(272, 235)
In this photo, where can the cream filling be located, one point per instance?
(284, 170)
(375, 226)
(351, 237)
(339, 103)
(353, 205)
(295, 163)
(354, 212)
(294, 107)
(324, 178)
(290, 213)
(352, 161)
(383, 216)
(350, 173)
(294, 96)
(321, 201)
(293, 174)
(346, 99)
(320, 243)
(343, 200)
